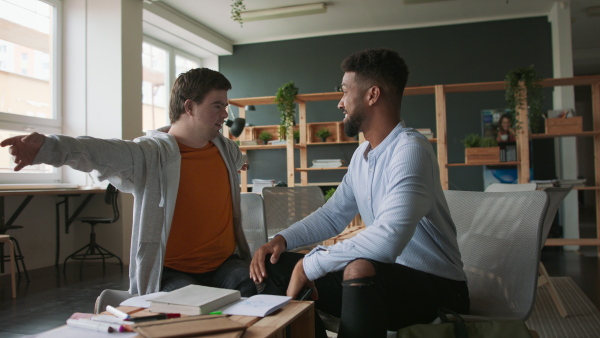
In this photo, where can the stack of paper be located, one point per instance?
(257, 305)
(426, 132)
(327, 163)
(258, 185)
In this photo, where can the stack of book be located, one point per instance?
(426, 132)
(327, 163)
(580, 182)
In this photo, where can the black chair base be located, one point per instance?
(92, 251)
(18, 258)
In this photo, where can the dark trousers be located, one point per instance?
(397, 296)
(233, 274)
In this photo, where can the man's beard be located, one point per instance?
(353, 122)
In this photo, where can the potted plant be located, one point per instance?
(297, 136)
(286, 104)
(265, 137)
(480, 150)
(323, 133)
(329, 193)
(523, 90)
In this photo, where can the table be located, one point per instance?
(61, 192)
(299, 315)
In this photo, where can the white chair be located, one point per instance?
(253, 220)
(285, 206)
(499, 237)
(506, 187)
(556, 195)
(110, 297)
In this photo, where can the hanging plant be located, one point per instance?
(530, 96)
(237, 7)
(286, 104)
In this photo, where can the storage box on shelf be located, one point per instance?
(482, 155)
(564, 125)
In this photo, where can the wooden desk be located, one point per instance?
(64, 193)
(299, 315)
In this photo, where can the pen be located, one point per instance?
(116, 312)
(89, 325)
(155, 317)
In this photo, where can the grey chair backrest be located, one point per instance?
(556, 196)
(285, 206)
(506, 187)
(253, 220)
(499, 236)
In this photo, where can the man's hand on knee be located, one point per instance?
(257, 267)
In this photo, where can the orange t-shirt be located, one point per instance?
(201, 236)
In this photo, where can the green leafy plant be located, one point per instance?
(529, 95)
(265, 136)
(237, 7)
(471, 141)
(329, 193)
(323, 133)
(286, 104)
(476, 141)
(487, 142)
(296, 134)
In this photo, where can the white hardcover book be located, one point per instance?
(194, 300)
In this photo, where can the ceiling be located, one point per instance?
(352, 16)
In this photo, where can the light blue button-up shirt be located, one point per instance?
(397, 191)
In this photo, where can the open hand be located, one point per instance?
(257, 267)
(24, 148)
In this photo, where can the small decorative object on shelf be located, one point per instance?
(286, 104)
(523, 90)
(265, 137)
(480, 150)
(297, 136)
(323, 134)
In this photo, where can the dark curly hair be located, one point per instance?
(379, 67)
(194, 85)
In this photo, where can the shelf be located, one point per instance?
(317, 169)
(581, 133)
(324, 184)
(572, 241)
(480, 164)
(331, 143)
(263, 147)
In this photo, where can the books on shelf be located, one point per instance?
(194, 300)
(327, 163)
(275, 142)
(249, 143)
(426, 132)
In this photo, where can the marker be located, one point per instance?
(216, 313)
(155, 317)
(89, 325)
(120, 314)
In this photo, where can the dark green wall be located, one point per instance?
(476, 52)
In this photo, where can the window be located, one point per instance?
(28, 80)
(158, 77)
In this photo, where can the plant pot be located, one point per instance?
(265, 142)
(323, 139)
(482, 155)
(296, 140)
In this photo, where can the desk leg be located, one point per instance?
(57, 213)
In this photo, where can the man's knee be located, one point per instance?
(360, 268)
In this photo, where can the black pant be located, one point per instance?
(397, 296)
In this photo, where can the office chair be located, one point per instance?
(253, 220)
(93, 250)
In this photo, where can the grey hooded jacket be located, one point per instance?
(148, 167)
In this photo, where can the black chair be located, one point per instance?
(93, 250)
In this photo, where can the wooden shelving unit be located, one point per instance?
(439, 92)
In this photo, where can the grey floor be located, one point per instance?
(51, 297)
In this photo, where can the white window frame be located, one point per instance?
(29, 124)
(171, 76)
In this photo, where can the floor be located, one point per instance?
(52, 296)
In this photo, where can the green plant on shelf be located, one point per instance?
(265, 137)
(523, 90)
(286, 104)
(323, 133)
(476, 141)
(329, 193)
(297, 136)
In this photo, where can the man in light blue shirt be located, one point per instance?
(406, 263)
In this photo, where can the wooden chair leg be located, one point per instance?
(545, 278)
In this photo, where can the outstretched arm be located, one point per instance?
(24, 148)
